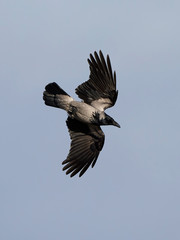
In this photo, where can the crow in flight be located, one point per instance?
(85, 117)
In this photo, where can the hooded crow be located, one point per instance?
(85, 117)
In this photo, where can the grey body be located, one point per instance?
(85, 112)
(85, 117)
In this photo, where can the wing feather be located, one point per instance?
(86, 143)
(100, 90)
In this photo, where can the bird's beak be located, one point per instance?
(116, 124)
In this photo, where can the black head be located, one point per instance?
(109, 121)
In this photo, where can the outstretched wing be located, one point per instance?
(86, 143)
(100, 90)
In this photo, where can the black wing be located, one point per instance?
(86, 143)
(100, 90)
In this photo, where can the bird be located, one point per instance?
(86, 116)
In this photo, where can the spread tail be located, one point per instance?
(55, 96)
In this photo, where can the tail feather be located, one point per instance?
(55, 96)
(54, 88)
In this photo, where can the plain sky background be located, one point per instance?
(133, 192)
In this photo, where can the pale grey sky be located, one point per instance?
(133, 191)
